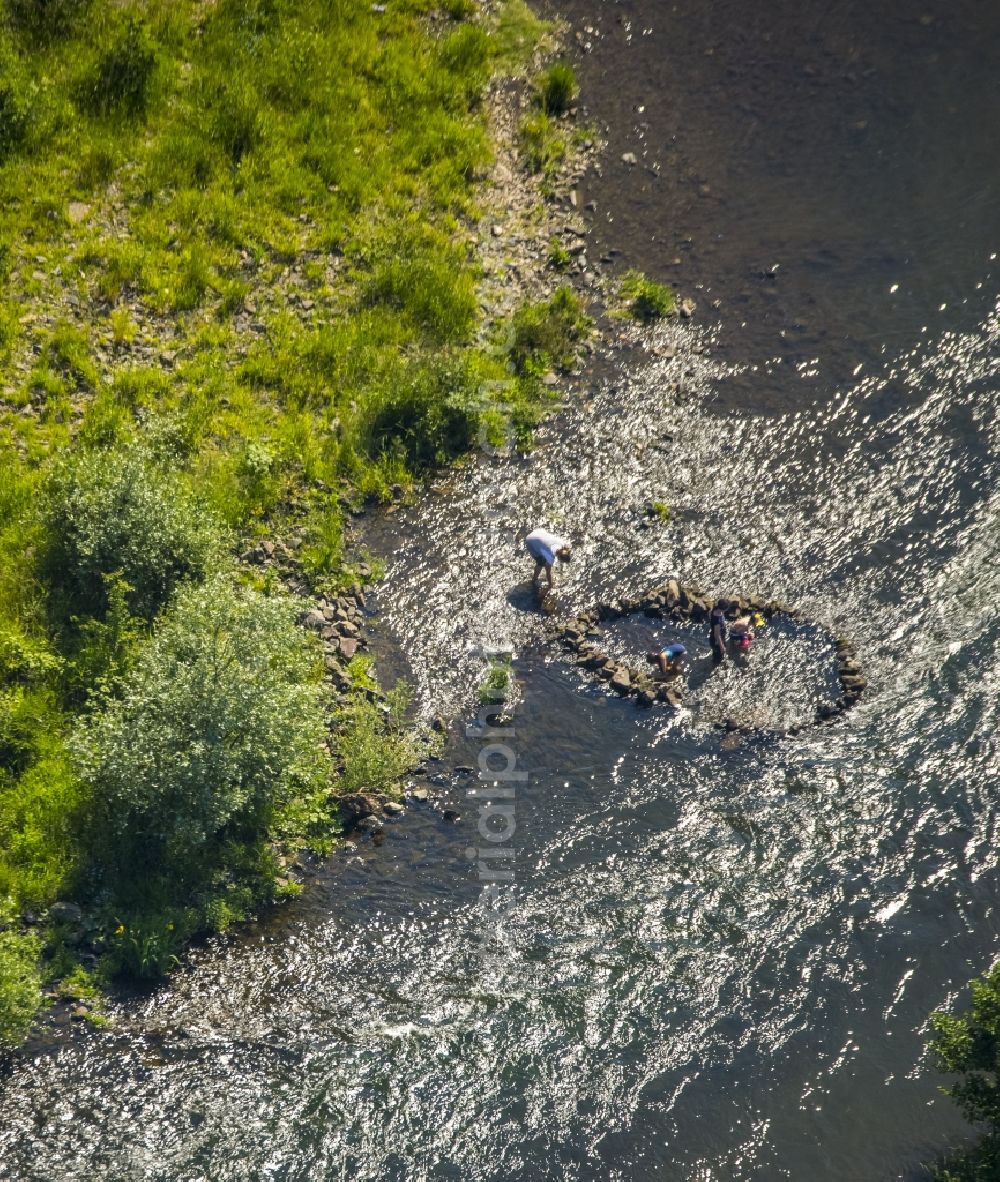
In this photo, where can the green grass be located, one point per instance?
(237, 239)
(647, 300)
(548, 335)
(496, 684)
(557, 89)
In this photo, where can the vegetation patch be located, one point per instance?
(557, 89)
(240, 298)
(647, 300)
(548, 334)
(968, 1045)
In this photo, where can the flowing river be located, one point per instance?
(719, 960)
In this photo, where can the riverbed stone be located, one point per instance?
(62, 912)
(621, 682)
(357, 805)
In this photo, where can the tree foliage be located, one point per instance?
(124, 512)
(968, 1045)
(219, 722)
(20, 981)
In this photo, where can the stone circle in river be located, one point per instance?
(683, 605)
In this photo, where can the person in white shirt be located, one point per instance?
(545, 548)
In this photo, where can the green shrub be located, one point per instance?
(67, 352)
(104, 648)
(98, 163)
(549, 333)
(147, 946)
(45, 20)
(122, 77)
(15, 101)
(124, 267)
(465, 54)
(459, 10)
(557, 89)
(376, 747)
(122, 511)
(218, 725)
(192, 280)
(649, 300)
(236, 121)
(968, 1045)
(20, 984)
(495, 686)
(424, 417)
(9, 329)
(559, 257)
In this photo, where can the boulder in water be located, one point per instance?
(355, 806)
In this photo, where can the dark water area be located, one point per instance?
(826, 171)
(715, 963)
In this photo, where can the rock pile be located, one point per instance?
(684, 604)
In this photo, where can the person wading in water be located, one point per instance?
(668, 660)
(718, 631)
(545, 548)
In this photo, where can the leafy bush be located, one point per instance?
(122, 511)
(557, 89)
(122, 77)
(649, 300)
(425, 417)
(15, 101)
(44, 20)
(20, 984)
(969, 1046)
(376, 746)
(219, 723)
(548, 334)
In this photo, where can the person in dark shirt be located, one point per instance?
(718, 631)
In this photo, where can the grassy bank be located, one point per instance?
(238, 245)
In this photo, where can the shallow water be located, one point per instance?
(718, 963)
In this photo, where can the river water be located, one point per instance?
(718, 962)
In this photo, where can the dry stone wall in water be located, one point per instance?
(674, 602)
